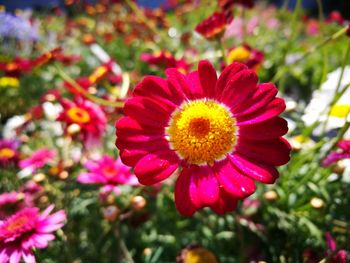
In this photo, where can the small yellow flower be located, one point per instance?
(9, 82)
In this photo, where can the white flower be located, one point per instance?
(11, 125)
(316, 110)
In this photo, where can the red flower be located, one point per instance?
(19, 65)
(228, 4)
(336, 17)
(348, 31)
(224, 133)
(213, 27)
(165, 59)
(87, 117)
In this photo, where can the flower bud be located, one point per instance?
(138, 202)
(270, 195)
(317, 203)
(110, 213)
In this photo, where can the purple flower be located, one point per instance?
(16, 27)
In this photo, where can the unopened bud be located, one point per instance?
(63, 175)
(339, 168)
(271, 195)
(138, 202)
(39, 177)
(317, 203)
(110, 213)
(73, 129)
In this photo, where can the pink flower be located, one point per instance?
(107, 171)
(8, 152)
(38, 159)
(88, 117)
(10, 202)
(313, 27)
(342, 153)
(27, 230)
(223, 133)
(335, 255)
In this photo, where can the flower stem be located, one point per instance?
(123, 246)
(223, 53)
(338, 93)
(91, 97)
(327, 40)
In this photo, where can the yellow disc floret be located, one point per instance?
(7, 153)
(239, 54)
(78, 115)
(202, 131)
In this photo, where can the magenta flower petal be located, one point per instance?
(207, 77)
(223, 133)
(233, 181)
(156, 167)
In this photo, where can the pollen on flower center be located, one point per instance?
(17, 224)
(202, 131)
(7, 153)
(78, 115)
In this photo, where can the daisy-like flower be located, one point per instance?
(247, 55)
(8, 152)
(86, 116)
(38, 159)
(27, 230)
(224, 133)
(107, 171)
(213, 27)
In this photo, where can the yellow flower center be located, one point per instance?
(17, 223)
(97, 74)
(239, 54)
(78, 115)
(199, 255)
(9, 82)
(340, 111)
(202, 131)
(7, 153)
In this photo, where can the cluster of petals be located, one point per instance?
(38, 159)
(107, 171)
(213, 26)
(150, 138)
(8, 152)
(88, 116)
(10, 202)
(164, 60)
(27, 230)
(21, 65)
